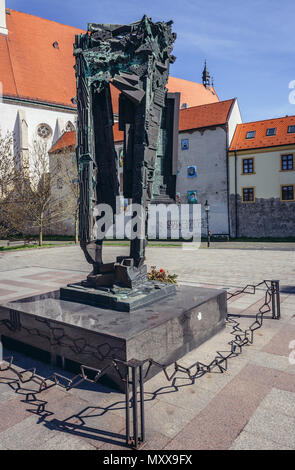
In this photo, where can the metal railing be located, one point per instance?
(133, 373)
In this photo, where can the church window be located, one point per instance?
(70, 127)
(44, 131)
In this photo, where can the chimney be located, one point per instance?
(3, 29)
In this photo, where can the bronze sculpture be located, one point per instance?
(135, 59)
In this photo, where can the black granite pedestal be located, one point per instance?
(164, 331)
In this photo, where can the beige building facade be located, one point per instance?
(262, 179)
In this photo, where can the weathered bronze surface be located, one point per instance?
(135, 59)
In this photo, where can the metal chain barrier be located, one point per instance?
(134, 372)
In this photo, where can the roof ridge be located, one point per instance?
(206, 104)
(265, 120)
(198, 83)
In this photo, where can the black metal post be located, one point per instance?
(134, 405)
(136, 379)
(208, 232)
(141, 387)
(127, 407)
(278, 299)
(273, 304)
(275, 300)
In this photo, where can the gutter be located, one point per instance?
(236, 196)
(28, 101)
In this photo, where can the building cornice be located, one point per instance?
(277, 148)
(38, 104)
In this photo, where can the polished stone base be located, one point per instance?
(164, 331)
(118, 298)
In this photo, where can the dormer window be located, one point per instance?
(271, 131)
(250, 135)
(291, 129)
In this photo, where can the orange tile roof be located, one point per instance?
(30, 67)
(191, 118)
(261, 140)
(192, 93)
(40, 71)
(118, 135)
(205, 116)
(68, 139)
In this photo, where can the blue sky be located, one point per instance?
(249, 46)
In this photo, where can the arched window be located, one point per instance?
(69, 127)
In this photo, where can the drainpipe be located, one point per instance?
(236, 195)
(227, 180)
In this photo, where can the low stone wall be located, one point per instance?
(262, 218)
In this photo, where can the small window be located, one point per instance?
(271, 131)
(248, 166)
(184, 144)
(287, 162)
(288, 193)
(69, 127)
(250, 135)
(59, 183)
(248, 195)
(291, 130)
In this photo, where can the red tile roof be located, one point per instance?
(40, 71)
(118, 135)
(205, 116)
(261, 140)
(191, 118)
(191, 93)
(30, 67)
(68, 139)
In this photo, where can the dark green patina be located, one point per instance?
(135, 59)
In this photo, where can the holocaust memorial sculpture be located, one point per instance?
(135, 59)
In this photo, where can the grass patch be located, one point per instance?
(265, 240)
(29, 247)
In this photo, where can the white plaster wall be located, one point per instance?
(34, 116)
(3, 29)
(234, 119)
(208, 152)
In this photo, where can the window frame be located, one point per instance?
(270, 129)
(250, 132)
(254, 196)
(242, 170)
(281, 193)
(289, 132)
(281, 162)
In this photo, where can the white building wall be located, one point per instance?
(208, 152)
(234, 119)
(34, 116)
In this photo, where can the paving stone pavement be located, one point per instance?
(250, 406)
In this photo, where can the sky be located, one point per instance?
(249, 45)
